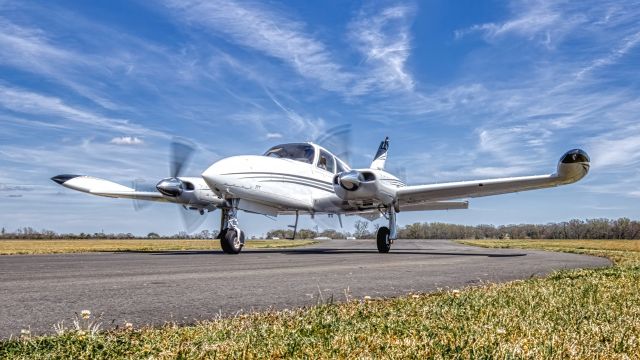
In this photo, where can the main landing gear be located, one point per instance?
(386, 235)
(231, 237)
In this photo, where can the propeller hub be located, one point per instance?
(172, 187)
(350, 180)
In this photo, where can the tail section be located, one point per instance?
(381, 155)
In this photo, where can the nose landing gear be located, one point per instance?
(231, 237)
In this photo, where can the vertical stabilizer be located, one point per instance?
(381, 155)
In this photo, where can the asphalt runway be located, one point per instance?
(38, 291)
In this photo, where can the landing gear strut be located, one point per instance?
(231, 237)
(386, 235)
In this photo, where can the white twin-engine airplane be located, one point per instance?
(305, 178)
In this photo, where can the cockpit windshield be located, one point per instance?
(298, 152)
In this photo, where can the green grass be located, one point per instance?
(580, 314)
(17, 247)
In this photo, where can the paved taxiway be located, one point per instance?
(38, 291)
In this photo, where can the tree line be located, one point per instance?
(622, 228)
(28, 232)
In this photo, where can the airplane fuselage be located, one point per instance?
(282, 184)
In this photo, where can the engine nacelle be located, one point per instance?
(355, 185)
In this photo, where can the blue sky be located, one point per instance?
(465, 90)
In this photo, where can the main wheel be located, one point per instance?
(223, 243)
(383, 241)
(232, 242)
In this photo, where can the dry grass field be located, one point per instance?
(15, 247)
(578, 314)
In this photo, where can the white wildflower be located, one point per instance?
(86, 314)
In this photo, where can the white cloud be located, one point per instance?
(311, 128)
(270, 32)
(273, 136)
(30, 50)
(385, 41)
(614, 55)
(545, 22)
(616, 151)
(534, 18)
(27, 102)
(126, 140)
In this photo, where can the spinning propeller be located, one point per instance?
(337, 140)
(192, 216)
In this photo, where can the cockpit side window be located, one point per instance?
(326, 162)
(299, 152)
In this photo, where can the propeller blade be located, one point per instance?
(400, 172)
(327, 222)
(181, 152)
(337, 140)
(191, 219)
(141, 185)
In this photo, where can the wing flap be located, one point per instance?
(435, 205)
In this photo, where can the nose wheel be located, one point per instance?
(232, 241)
(231, 237)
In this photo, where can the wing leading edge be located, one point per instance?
(573, 166)
(102, 187)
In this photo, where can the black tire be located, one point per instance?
(223, 243)
(232, 242)
(383, 242)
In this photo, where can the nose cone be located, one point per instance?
(218, 175)
(350, 180)
(61, 179)
(236, 171)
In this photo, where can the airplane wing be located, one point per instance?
(132, 194)
(102, 187)
(375, 214)
(573, 166)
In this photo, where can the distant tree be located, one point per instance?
(3, 231)
(153, 235)
(281, 234)
(306, 234)
(361, 229)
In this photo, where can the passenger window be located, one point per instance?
(326, 162)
